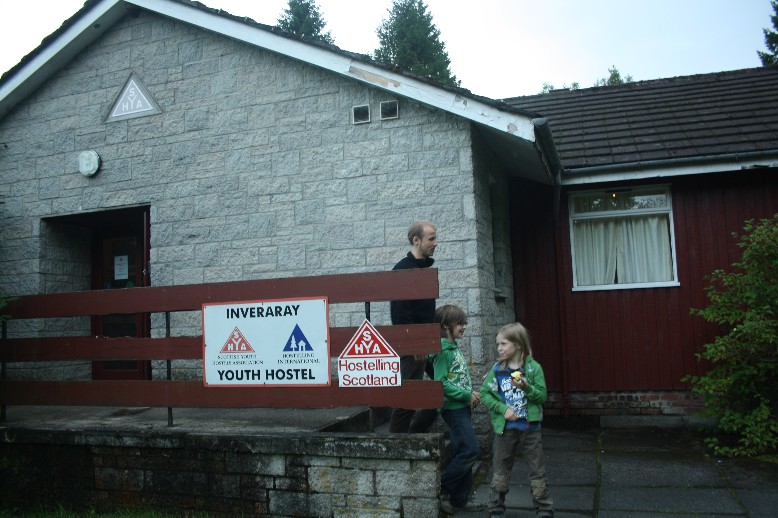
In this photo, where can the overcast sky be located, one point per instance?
(505, 48)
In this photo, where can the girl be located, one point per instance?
(459, 399)
(514, 392)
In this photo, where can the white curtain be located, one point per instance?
(595, 251)
(624, 250)
(644, 250)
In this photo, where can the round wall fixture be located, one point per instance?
(88, 162)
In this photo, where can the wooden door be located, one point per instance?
(120, 261)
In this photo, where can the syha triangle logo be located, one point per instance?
(236, 343)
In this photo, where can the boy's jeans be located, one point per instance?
(457, 479)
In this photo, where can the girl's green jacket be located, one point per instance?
(492, 398)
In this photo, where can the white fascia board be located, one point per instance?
(62, 49)
(511, 123)
(616, 175)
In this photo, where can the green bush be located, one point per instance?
(741, 387)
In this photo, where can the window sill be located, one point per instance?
(603, 287)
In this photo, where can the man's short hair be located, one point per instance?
(417, 229)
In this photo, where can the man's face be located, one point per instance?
(427, 243)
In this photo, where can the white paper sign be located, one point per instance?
(267, 342)
(121, 265)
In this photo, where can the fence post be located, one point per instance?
(168, 363)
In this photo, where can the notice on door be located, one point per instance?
(121, 267)
(267, 342)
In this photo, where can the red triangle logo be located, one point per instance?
(236, 343)
(367, 342)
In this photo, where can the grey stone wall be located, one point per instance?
(317, 475)
(252, 170)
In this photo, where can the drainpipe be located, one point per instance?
(548, 150)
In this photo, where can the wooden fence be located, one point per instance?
(170, 393)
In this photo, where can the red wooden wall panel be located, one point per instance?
(636, 339)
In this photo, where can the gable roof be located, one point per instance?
(682, 125)
(510, 130)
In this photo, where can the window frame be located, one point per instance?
(620, 214)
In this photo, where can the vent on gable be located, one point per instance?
(360, 114)
(389, 110)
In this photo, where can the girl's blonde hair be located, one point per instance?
(517, 334)
(448, 316)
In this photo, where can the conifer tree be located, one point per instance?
(410, 40)
(302, 17)
(771, 40)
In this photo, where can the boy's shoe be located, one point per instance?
(470, 507)
(446, 506)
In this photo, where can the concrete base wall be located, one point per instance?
(323, 474)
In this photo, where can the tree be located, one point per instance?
(548, 87)
(302, 17)
(741, 387)
(771, 40)
(613, 79)
(408, 39)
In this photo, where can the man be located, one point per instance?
(423, 238)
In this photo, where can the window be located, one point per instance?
(389, 110)
(622, 239)
(360, 114)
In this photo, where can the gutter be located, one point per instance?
(545, 141)
(674, 167)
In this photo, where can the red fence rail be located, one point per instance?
(348, 288)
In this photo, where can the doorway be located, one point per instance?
(119, 259)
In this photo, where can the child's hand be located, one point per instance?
(510, 415)
(475, 399)
(520, 383)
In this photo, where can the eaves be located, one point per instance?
(753, 160)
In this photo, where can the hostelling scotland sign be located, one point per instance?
(266, 342)
(368, 361)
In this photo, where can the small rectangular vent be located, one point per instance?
(360, 114)
(389, 110)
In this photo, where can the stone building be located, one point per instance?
(166, 143)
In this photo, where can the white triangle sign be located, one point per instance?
(133, 101)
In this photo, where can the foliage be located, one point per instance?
(741, 387)
(302, 17)
(548, 87)
(771, 40)
(408, 39)
(614, 78)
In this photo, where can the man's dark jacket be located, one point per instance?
(413, 311)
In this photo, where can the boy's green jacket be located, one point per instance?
(536, 394)
(451, 368)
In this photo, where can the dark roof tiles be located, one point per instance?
(683, 117)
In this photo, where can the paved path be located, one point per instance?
(642, 473)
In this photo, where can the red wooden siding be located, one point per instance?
(635, 339)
